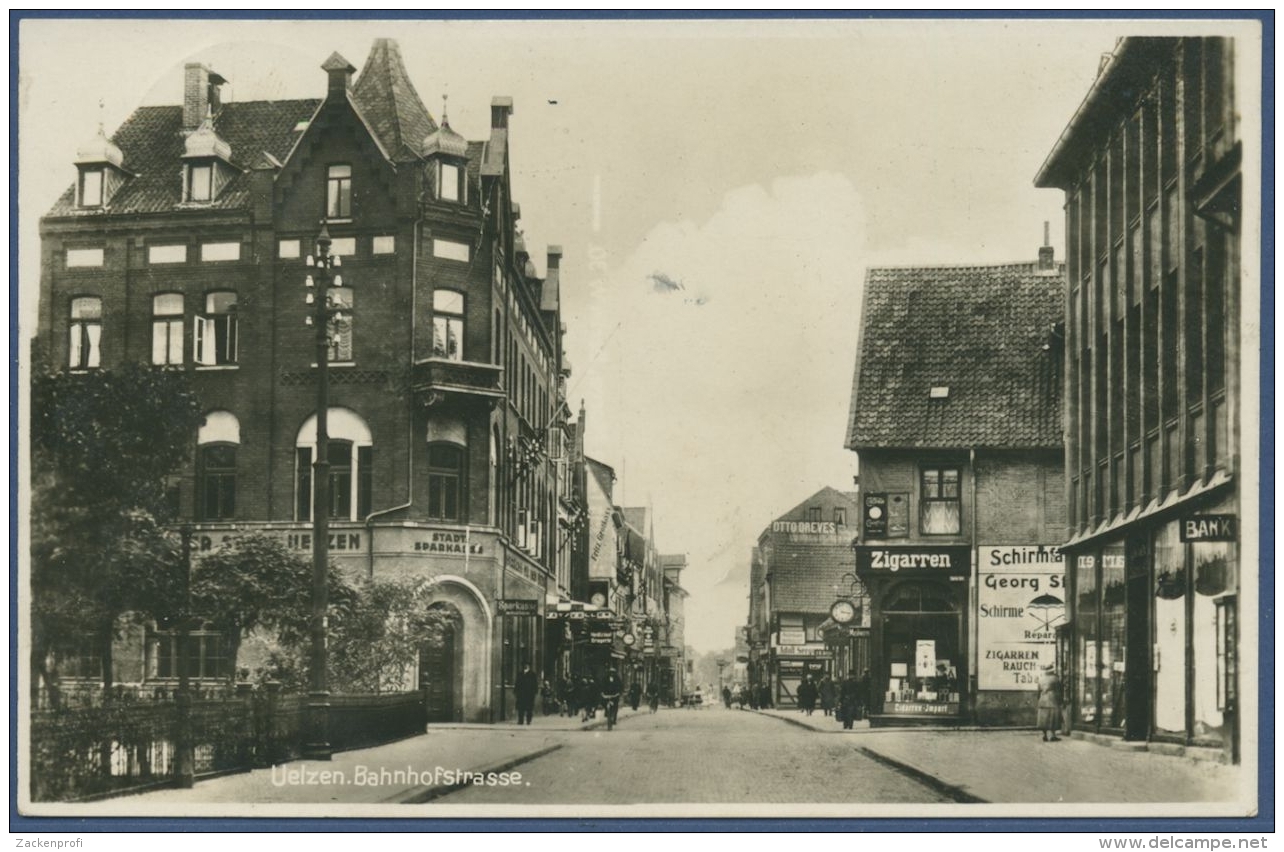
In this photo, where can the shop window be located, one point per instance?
(1214, 569)
(208, 655)
(1170, 631)
(215, 332)
(445, 482)
(940, 503)
(1114, 635)
(85, 333)
(339, 192)
(1087, 671)
(167, 329)
(448, 325)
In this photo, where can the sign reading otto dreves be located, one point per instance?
(1021, 600)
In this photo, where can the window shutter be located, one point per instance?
(198, 340)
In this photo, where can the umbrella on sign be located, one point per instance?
(1048, 610)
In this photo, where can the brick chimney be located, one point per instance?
(1047, 263)
(501, 107)
(339, 71)
(200, 94)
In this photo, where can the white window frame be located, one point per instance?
(167, 254)
(84, 257)
(213, 252)
(451, 250)
(206, 185)
(101, 175)
(205, 335)
(167, 333)
(85, 332)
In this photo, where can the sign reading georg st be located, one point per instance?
(943, 562)
(1021, 600)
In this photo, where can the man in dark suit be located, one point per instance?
(526, 687)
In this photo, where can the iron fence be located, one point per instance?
(120, 744)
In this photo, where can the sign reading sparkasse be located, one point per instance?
(914, 559)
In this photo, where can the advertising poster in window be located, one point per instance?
(1020, 603)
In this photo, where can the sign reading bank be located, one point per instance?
(1021, 600)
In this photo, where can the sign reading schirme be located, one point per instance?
(954, 562)
(1020, 603)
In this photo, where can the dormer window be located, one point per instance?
(91, 187)
(200, 182)
(206, 163)
(451, 183)
(99, 162)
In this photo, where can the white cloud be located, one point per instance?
(724, 403)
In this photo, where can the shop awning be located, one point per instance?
(1156, 507)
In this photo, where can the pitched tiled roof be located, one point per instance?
(826, 498)
(152, 142)
(390, 103)
(979, 331)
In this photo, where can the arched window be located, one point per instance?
(217, 441)
(350, 454)
(448, 324)
(445, 482)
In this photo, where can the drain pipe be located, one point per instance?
(974, 591)
(410, 432)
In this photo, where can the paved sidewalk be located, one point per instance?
(409, 770)
(1014, 765)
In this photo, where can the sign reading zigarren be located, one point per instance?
(942, 561)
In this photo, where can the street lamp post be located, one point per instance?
(317, 740)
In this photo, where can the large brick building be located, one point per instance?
(1150, 165)
(183, 243)
(956, 417)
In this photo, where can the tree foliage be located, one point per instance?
(102, 445)
(254, 582)
(375, 648)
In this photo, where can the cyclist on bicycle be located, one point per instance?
(612, 686)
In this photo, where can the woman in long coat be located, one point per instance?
(1049, 708)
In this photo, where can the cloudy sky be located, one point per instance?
(761, 166)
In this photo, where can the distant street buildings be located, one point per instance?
(802, 564)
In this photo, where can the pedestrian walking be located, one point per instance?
(525, 688)
(635, 695)
(588, 698)
(828, 692)
(566, 696)
(726, 697)
(847, 700)
(806, 695)
(764, 696)
(653, 696)
(862, 695)
(1049, 708)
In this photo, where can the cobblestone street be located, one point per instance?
(702, 756)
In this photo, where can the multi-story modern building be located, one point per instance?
(956, 417)
(802, 565)
(184, 242)
(1150, 165)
